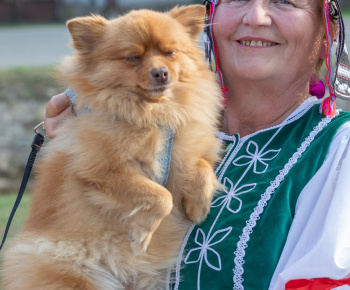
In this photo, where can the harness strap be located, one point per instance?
(36, 145)
(164, 157)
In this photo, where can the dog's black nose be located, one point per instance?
(160, 75)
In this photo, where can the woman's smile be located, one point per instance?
(258, 43)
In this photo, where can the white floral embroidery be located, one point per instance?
(258, 210)
(307, 105)
(232, 193)
(256, 158)
(205, 250)
(205, 244)
(251, 157)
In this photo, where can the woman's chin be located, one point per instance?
(255, 75)
(255, 70)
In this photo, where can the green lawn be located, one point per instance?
(6, 204)
(346, 14)
(28, 84)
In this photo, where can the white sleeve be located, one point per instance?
(318, 243)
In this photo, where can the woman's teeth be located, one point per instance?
(256, 43)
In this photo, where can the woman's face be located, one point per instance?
(268, 39)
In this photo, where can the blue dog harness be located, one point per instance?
(163, 157)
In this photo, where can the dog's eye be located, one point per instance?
(132, 58)
(170, 53)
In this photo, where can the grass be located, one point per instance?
(346, 13)
(28, 83)
(6, 204)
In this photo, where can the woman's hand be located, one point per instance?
(57, 109)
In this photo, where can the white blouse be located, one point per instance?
(318, 243)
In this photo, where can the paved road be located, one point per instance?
(33, 45)
(44, 45)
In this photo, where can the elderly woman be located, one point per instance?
(282, 219)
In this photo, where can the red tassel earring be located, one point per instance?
(328, 107)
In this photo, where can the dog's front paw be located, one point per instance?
(143, 226)
(198, 200)
(139, 241)
(197, 209)
(140, 235)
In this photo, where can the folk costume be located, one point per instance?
(282, 219)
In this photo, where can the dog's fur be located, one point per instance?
(97, 220)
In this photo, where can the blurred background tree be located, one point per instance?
(13, 11)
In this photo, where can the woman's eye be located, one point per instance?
(284, 2)
(228, 1)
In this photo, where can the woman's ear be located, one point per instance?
(323, 51)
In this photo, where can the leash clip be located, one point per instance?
(38, 126)
(39, 138)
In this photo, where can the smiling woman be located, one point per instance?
(281, 220)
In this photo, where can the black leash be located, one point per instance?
(36, 145)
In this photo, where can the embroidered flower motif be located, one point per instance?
(211, 257)
(230, 198)
(256, 158)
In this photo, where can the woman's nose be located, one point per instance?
(257, 14)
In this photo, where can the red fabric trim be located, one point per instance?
(316, 284)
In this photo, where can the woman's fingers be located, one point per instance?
(57, 105)
(58, 109)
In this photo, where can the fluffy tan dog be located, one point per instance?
(98, 220)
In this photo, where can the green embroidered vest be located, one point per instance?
(239, 245)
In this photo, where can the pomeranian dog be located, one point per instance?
(99, 219)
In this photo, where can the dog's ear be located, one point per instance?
(192, 17)
(86, 31)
